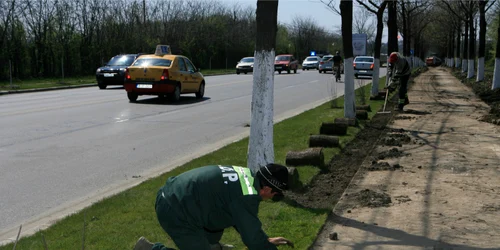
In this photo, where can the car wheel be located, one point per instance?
(295, 71)
(304, 69)
(201, 91)
(132, 97)
(246, 72)
(237, 72)
(288, 71)
(176, 96)
(319, 71)
(101, 85)
(279, 72)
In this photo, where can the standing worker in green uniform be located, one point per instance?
(195, 207)
(400, 69)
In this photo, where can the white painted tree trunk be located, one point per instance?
(349, 95)
(496, 75)
(480, 70)
(260, 146)
(457, 62)
(375, 78)
(464, 65)
(470, 72)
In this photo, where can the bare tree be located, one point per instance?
(496, 74)
(346, 7)
(345, 10)
(378, 10)
(261, 147)
(483, 8)
(392, 27)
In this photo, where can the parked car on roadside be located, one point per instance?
(363, 66)
(164, 75)
(311, 62)
(285, 63)
(245, 65)
(113, 72)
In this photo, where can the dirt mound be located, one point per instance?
(381, 166)
(370, 198)
(396, 139)
(391, 153)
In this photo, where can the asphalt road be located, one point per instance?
(62, 150)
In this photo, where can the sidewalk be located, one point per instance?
(433, 181)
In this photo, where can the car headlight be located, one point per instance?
(251, 65)
(98, 70)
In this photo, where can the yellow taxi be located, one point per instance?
(164, 75)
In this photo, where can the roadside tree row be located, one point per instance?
(48, 38)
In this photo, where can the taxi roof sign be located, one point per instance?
(163, 50)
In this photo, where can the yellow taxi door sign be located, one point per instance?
(163, 50)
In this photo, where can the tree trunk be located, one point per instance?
(392, 26)
(308, 157)
(496, 74)
(405, 30)
(472, 47)
(261, 147)
(482, 41)
(349, 98)
(378, 44)
(465, 53)
(324, 141)
(329, 128)
(459, 34)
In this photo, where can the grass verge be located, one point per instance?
(118, 221)
(41, 83)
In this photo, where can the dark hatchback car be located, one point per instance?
(113, 73)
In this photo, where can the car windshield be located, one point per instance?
(311, 59)
(121, 61)
(283, 58)
(247, 60)
(326, 58)
(143, 62)
(364, 59)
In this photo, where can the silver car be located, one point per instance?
(325, 65)
(245, 65)
(363, 66)
(311, 62)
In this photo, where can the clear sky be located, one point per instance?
(288, 9)
(315, 9)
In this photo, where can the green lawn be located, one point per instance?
(38, 83)
(117, 222)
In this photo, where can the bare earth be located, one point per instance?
(431, 182)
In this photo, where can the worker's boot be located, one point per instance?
(399, 107)
(407, 101)
(220, 246)
(143, 244)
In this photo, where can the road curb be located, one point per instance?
(20, 91)
(6, 92)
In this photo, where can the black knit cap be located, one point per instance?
(275, 176)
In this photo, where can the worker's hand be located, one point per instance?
(280, 241)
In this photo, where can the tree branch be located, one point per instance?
(453, 11)
(367, 7)
(330, 4)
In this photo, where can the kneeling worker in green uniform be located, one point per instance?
(195, 207)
